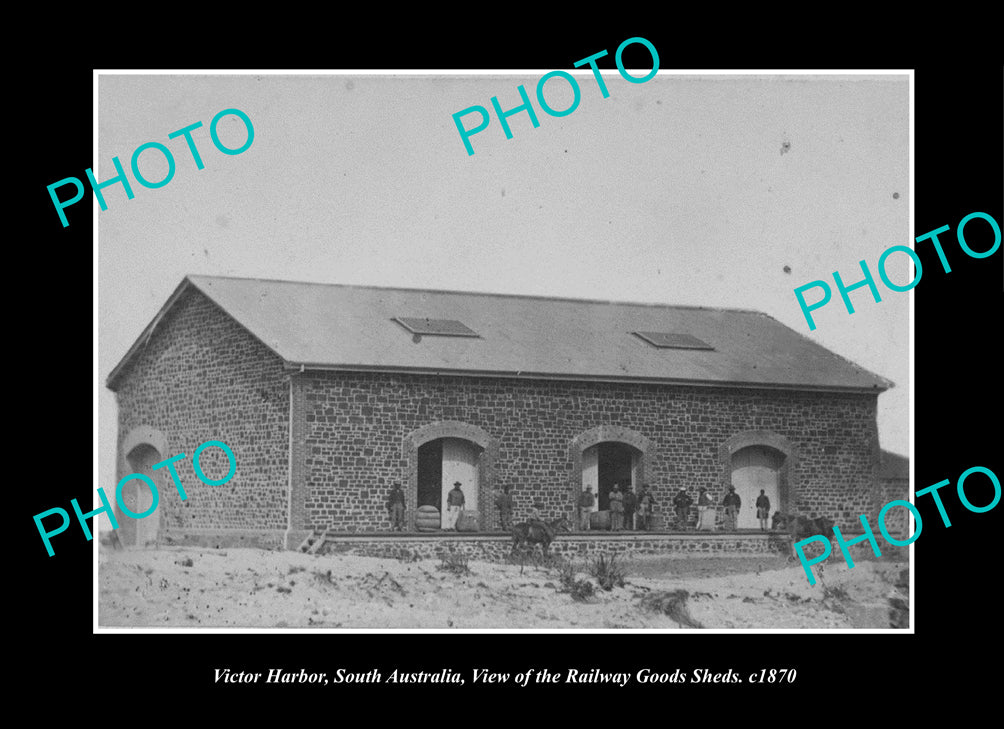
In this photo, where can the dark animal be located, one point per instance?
(529, 533)
(802, 527)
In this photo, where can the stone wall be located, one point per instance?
(499, 548)
(897, 519)
(584, 549)
(221, 538)
(357, 440)
(201, 376)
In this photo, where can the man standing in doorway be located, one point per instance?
(454, 505)
(731, 502)
(586, 501)
(616, 508)
(630, 504)
(762, 509)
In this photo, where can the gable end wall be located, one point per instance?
(202, 376)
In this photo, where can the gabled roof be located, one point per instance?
(325, 326)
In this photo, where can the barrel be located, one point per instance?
(599, 520)
(427, 519)
(467, 521)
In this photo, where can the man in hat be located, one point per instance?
(682, 502)
(504, 503)
(586, 501)
(762, 509)
(616, 508)
(630, 504)
(705, 511)
(731, 502)
(646, 506)
(454, 505)
(395, 505)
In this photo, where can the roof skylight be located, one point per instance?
(435, 327)
(672, 340)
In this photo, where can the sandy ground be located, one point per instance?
(235, 588)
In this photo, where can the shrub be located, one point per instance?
(580, 590)
(454, 562)
(607, 572)
(836, 593)
(672, 603)
(406, 555)
(566, 571)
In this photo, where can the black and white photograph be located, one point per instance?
(559, 381)
(482, 368)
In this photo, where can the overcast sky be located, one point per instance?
(722, 191)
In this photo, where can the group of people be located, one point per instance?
(455, 502)
(733, 503)
(706, 509)
(625, 505)
(505, 502)
(628, 510)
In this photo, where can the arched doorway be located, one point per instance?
(607, 463)
(607, 454)
(465, 453)
(756, 468)
(442, 463)
(138, 498)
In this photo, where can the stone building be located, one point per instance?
(327, 395)
(893, 484)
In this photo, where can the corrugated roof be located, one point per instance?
(352, 327)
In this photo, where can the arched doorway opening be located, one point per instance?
(607, 463)
(442, 463)
(756, 468)
(605, 454)
(138, 498)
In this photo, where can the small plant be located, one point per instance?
(407, 555)
(607, 572)
(672, 603)
(566, 571)
(836, 593)
(454, 562)
(580, 590)
(324, 577)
